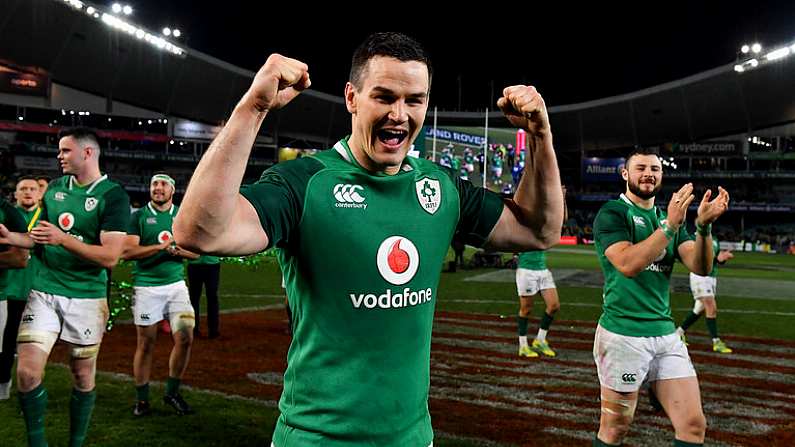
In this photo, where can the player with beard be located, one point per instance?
(160, 293)
(636, 340)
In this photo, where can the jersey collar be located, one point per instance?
(91, 185)
(154, 211)
(344, 150)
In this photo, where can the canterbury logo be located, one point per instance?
(628, 378)
(348, 193)
(349, 196)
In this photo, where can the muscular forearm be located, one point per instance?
(141, 251)
(211, 197)
(703, 255)
(21, 240)
(101, 255)
(539, 197)
(636, 257)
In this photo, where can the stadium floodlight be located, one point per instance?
(116, 8)
(777, 54)
(140, 123)
(165, 121)
(110, 119)
(171, 142)
(21, 118)
(127, 10)
(177, 32)
(756, 48)
(166, 31)
(91, 10)
(148, 121)
(753, 62)
(140, 33)
(739, 68)
(745, 49)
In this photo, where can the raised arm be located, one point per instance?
(698, 256)
(533, 219)
(213, 216)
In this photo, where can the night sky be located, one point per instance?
(571, 53)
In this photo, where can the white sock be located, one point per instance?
(715, 340)
(523, 341)
(542, 334)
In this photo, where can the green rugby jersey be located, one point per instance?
(361, 255)
(82, 212)
(13, 220)
(20, 280)
(639, 306)
(154, 227)
(533, 260)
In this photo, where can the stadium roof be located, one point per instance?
(81, 52)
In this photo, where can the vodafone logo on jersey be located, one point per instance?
(164, 236)
(398, 260)
(66, 221)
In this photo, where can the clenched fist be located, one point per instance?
(525, 109)
(277, 83)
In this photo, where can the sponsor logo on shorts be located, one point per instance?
(349, 196)
(628, 378)
(87, 332)
(28, 318)
(144, 317)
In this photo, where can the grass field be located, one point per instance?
(224, 419)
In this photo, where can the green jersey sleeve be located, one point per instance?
(116, 215)
(134, 229)
(278, 197)
(610, 226)
(13, 219)
(480, 209)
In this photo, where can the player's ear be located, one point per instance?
(625, 174)
(350, 97)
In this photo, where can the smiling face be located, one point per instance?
(643, 175)
(388, 110)
(161, 192)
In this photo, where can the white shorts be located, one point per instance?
(497, 172)
(154, 303)
(79, 320)
(624, 363)
(530, 282)
(703, 286)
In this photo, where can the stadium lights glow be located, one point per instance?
(115, 22)
(745, 49)
(777, 54)
(21, 118)
(756, 48)
(177, 33)
(753, 62)
(148, 121)
(166, 31)
(171, 142)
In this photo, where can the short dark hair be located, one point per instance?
(395, 45)
(80, 133)
(27, 177)
(640, 150)
(44, 177)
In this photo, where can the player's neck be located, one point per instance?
(646, 204)
(28, 208)
(164, 207)
(88, 177)
(366, 162)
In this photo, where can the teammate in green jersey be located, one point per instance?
(636, 340)
(704, 289)
(18, 281)
(79, 236)
(160, 293)
(361, 233)
(533, 277)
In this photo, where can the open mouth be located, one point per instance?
(392, 137)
